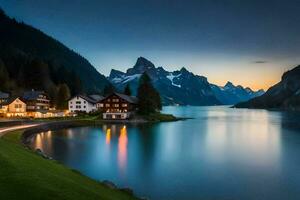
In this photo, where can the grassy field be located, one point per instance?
(26, 175)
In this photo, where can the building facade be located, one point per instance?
(81, 103)
(3, 97)
(117, 106)
(13, 107)
(37, 103)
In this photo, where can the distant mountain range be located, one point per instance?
(31, 59)
(231, 94)
(283, 95)
(181, 87)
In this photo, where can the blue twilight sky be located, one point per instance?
(248, 42)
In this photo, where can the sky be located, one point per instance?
(247, 42)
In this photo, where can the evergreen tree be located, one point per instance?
(4, 77)
(108, 89)
(63, 95)
(127, 90)
(149, 98)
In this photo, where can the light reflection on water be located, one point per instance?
(220, 154)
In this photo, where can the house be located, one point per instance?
(37, 103)
(117, 106)
(13, 107)
(82, 103)
(3, 97)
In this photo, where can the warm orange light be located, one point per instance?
(122, 147)
(108, 136)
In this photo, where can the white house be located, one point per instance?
(83, 103)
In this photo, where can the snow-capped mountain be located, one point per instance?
(181, 87)
(178, 87)
(231, 94)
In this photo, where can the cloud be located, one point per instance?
(260, 62)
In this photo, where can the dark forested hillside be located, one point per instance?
(283, 95)
(31, 59)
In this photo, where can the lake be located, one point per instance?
(221, 153)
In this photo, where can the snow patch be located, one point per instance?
(171, 77)
(130, 78)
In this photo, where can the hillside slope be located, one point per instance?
(33, 59)
(283, 95)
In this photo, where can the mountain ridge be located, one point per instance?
(176, 87)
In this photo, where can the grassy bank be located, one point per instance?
(154, 117)
(160, 117)
(26, 175)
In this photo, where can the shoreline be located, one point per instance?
(27, 133)
(22, 135)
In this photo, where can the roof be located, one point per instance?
(32, 95)
(96, 97)
(10, 100)
(130, 99)
(87, 98)
(3, 95)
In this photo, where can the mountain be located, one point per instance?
(32, 59)
(178, 87)
(231, 94)
(283, 95)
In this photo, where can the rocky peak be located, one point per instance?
(141, 65)
(184, 70)
(229, 85)
(115, 73)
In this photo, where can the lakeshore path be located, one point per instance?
(5, 130)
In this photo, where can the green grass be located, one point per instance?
(26, 175)
(160, 117)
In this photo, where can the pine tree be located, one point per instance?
(4, 77)
(108, 89)
(63, 94)
(127, 90)
(149, 98)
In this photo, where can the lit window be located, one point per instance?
(124, 105)
(107, 105)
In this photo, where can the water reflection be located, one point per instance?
(122, 148)
(108, 135)
(43, 141)
(257, 140)
(220, 154)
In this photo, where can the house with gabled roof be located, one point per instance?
(37, 103)
(117, 106)
(13, 107)
(82, 103)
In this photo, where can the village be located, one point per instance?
(36, 104)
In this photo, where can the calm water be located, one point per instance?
(222, 153)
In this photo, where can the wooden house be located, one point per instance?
(117, 106)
